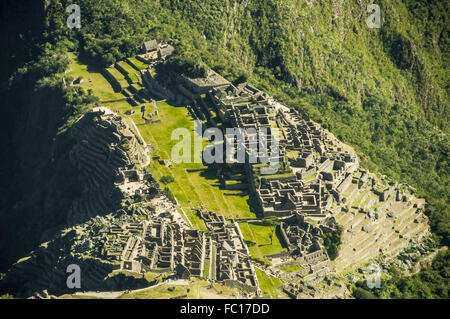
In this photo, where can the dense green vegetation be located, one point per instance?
(385, 91)
(361, 293)
(432, 282)
(40, 105)
(332, 241)
(166, 179)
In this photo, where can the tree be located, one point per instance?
(332, 241)
(361, 293)
(167, 179)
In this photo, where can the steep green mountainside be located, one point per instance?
(384, 91)
(39, 183)
(433, 282)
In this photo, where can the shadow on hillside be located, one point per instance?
(91, 66)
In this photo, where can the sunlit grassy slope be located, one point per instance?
(191, 189)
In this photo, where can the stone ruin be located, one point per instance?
(319, 177)
(288, 191)
(305, 247)
(284, 197)
(153, 51)
(105, 148)
(161, 240)
(232, 261)
(160, 244)
(318, 183)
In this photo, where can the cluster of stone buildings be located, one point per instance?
(160, 244)
(306, 247)
(134, 227)
(314, 181)
(317, 178)
(148, 232)
(153, 51)
(232, 262)
(312, 171)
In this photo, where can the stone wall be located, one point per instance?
(112, 80)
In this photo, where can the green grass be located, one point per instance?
(292, 154)
(273, 176)
(371, 196)
(92, 79)
(289, 269)
(195, 289)
(358, 200)
(160, 292)
(132, 73)
(190, 188)
(268, 284)
(310, 178)
(137, 86)
(122, 107)
(260, 235)
(139, 64)
(255, 252)
(119, 77)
